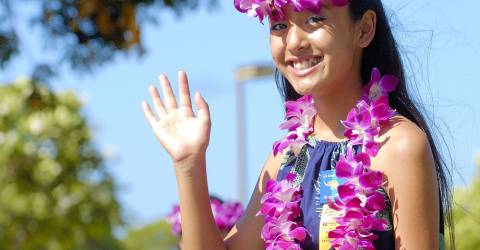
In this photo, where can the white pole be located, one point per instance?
(243, 75)
(241, 150)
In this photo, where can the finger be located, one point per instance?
(157, 102)
(170, 102)
(184, 90)
(147, 111)
(203, 111)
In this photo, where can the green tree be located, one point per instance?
(55, 190)
(154, 236)
(466, 214)
(86, 33)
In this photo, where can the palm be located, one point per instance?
(179, 131)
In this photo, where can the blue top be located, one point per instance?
(324, 156)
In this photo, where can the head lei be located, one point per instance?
(273, 8)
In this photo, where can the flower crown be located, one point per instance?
(225, 214)
(273, 8)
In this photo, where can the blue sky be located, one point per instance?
(440, 37)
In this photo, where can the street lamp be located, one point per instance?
(243, 75)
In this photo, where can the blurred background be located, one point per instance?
(81, 169)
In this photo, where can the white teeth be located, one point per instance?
(305, 64)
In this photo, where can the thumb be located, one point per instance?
(203, 111)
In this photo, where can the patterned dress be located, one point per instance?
(308, 166)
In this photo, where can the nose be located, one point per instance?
(296, 39)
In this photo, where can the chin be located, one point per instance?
(306, 86)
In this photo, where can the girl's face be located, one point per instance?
(316, 52)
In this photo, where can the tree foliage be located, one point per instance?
(87, 33)
(55, 190)
(466, 214)
(154, 236)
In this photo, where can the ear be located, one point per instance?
(366, 28)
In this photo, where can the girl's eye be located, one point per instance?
(315, 19)
(278, 26)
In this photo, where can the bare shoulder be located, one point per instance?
(404, 151)
(401, 136)
(273, 163)
(406, 160)
(270, 169)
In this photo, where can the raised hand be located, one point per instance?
(183, 134)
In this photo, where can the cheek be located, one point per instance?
(335, 48)
(322, 39)
(278, 51)
(328, 43)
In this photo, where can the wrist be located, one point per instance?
(191, 165)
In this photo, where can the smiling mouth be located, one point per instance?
(305, 66)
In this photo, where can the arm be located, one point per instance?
(185, 137)
(246, 233)
(407, 162)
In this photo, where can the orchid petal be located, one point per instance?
(345, 191)
(375, 76)
(371, 179)
(343, 168)
(389, 83)
(375, 202)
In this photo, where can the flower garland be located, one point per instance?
(298, 118)
(273, 8)
(281, 209)
(225, 214)
(359, 200)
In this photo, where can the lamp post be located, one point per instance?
(243, 75)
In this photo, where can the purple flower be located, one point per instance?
(361, 128)
(225, 215)
(281, 196)
(353, 241)
(281, 210)
(356, 234)
(339, 2)
(379, 86)
(282, 233)
(358, 198)
(274, 8)
(371, 180)
(174, 219)
(299, 123)
(380, 110)
(375, 202)
(242, 5)
(254, 8)
(301, 5)
(352, 167)
(232, 213)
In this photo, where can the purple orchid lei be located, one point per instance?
(225, 214)
(281, 210)
(273, 8)
(359, 200)
(299, 117)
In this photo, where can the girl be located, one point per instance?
(344, 136)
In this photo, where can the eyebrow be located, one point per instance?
(327, 7)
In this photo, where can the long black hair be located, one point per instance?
(383, 53)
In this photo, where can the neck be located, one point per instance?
(331, 109)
